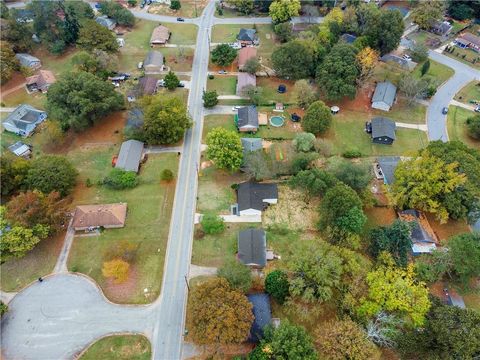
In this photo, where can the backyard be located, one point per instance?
(457, 129)
(119, 347)
(471, 92)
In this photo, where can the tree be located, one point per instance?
(120, 179)
(283, 10)
(253, 93)
(460, 11)
(357, 176)
(116, 269)
(175, 5)
(171, 81)
(224, 148)
(71, 26)
(344, 339)
(315, 182)
(8, 62)
(473, 126)
(244, 6)
(252, 65)
(19, 35)
(304, 93)
(277, 285)
(212, 224)
(464, 251)
(51, 173)
(426, 13)
(4, 14)
(210, 98)
(80, 99)
(425, 67)
(117, 12)
(95, 36)
(30, 208)
(51, 135)
(384, 329)
(419, 52)
(367, 59)
(384, 29)
(394, 289)
(423, 183)
(411, 87)
(165, 120)
(283, 32)
(133, 3)
(239, 276)
(338, 73)
(433, 267)
(304, 142)
(223, 55)
(13, 171)
(3, 306)
(317, 119)
(394, 239)
(219, 314)
(293, 60)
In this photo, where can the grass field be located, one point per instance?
(57, 64)
(224, 85)
(147, 225)
(457, 129)
(458, 54)
(469, 92)
(213, 121)
(20, 96)
(402, 112)
(119, 347)
(439, 71)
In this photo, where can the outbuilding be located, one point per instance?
(28, 61)
(21, 149)
(384, 96)
(40, 82)
(130, 155)
(262, 313)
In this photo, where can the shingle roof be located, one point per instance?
(442, 27)
(105, 21)
(153, 58)
(251, 144)
(42, 79)
(252, 247)
(106, 215)
(147, 85)
(246, 53)
(245, 79)
(383, 127)
(130, 155)
(348, 38)
(26, 59)
(385, 92)
(419, 234)
(247, 35)
(250, 195)
(262, 313)
(388, 164)
(160, 34)
(247, 115)
(22, 116)
(470, 38)
(19, 148)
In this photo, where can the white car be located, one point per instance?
(140, 65)
(235, 108)
(236, 46)
(407, 57)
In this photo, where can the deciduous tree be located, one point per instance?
(239, 276)
(8, 62)
(212, 224)
(244, 6)
(95, 36)
(293, 60)
(252, 65)
(304, 142)
(426, 13)
(315, 182)
(223, 55)
(283, 32)
(317, 119)
(304, 93)
(117, 12)
(13, 171)
(120, 179)
(284, 10)
(210, 98)
(473, 126)
(175, 5)
(385, 30)
(357, 176)
(394, 239)
(367, 59)
(117, 269)
(464, 251)
(224, 148)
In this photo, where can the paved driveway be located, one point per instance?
(59, 317)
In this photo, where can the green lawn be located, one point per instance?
(182, 34)
(224, 85)
(456, 127)
(58, 64)
(8, 138)
(466, 56)
(227, 33)
(270, 95)
(119, 347)
(439, 71)
(147, 225)
(213, 121)
(402, 112)
(20, 96)
(469, 92)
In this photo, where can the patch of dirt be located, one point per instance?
(226, 351)
(381, 216)
(447, 230)
(205, 164)
(230, 68)
(361, 102)
(16, 82)
(119, 292)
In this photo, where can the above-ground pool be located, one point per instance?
(277, 121)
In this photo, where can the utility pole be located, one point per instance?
(186, 282)
(196, 15)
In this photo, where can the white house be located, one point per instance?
(23, 120)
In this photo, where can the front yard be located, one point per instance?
(465, 56)
(469, 93)
(119, 347)
(223, 85)
(457, 129)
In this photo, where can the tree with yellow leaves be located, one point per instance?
(284, 10)
(116, 269)
(367, 58)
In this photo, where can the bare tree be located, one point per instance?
(383, 329)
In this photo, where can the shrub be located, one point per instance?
(238, 275)
(3, 308)
(276, 284)
(167, 175)
(119, 179)
(351, 154)
(212, 224)
(175, 5)
(116, 269)
(88, 182)
(473, 126)
(304, 141)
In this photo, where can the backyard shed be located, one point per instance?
(262, 315)
(252, 248)
(28, 61)
(107, 22)
(423, 238)
(20, 149)
(383, 131)
(103, 215)
(130, 155)
(384, 96)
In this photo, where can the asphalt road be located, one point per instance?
(436, 121)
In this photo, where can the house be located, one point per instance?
(386, 166)
(40, 82)
(245, 54)
(160, 36)
(253, 198)
(384, 96)
(147, 85)
(468, 40)
(23, 120)
(348, 38)
(382, 130)
(442, 28)
(262, 315)
(23, 15)
(21, 149)
(251, 144)
(243, 80)
(398, 60)
(246, 119)
(108, 216)
(252, 248)
(28, 61)
(247, 37)
(423, 238)
(130, 155)
(105, 21)
(154, 62)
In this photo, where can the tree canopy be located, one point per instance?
(293, 60)
(383, 29)
(239, 276)
(210, 98)
(464, 251)
(315, 181)
(224, 148)
(284, 10)
(317, 119)
(13, 170)
(8, 62)
(223, 55)
(473, 126)
(277, 285)
(171, 81)
(394, 239)
(244, 6)
(357, 176)
(117, 12)
(95, 36)
(304, 93)
(304, 141)
(426, 13)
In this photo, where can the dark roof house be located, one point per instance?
(262, 315)
(441, 28)
(252, 247)
(383, 131)
(247, 36)
(423, 238)
(454, 299)
(384, 96)
(154, 62)
(247, 119)
(105, 215)
(387, 165)
(130, 155)
(23, 120)
(253, 198)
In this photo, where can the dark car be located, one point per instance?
(282, 89)
(180, 19)
(445, 110)
(181, 85)
(295, 117)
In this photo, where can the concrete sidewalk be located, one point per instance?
(462, 105)
(422, 127)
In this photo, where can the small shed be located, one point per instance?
(21, 149)
(130, 155)
(107, 22)
(279, 106)
(251, 144)
(348, 38)
(28, 61)
(262, 315)
(384, 96)
(252, 248)
(383, 131)
(454, 299)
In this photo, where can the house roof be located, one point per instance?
(453, 299)
(262, 315)
(252, 247)
(104, 20)
(442, 27)
(382, 126)
(388, 164)
(247, 34)
(135, 118)
(130, 155)
(246, 53)
(385, 92)
(23, 116)
(153, 58)
(26, 59)
(251, 195)
(147, 85)
(409, 65)
(421, 231)
(348, 38)
(100, 215)
(160, 34)
(247, 116)
(245, 79)
(251, 144)
(19, 148)
(42, 79)
(470, 38)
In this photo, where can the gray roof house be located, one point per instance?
(383, 131)
(23, 120)
(423, 238)
(247, 36)
(398, 60)
(245, 79)
(252, 247)
(130, 156)
(387, 165)
(262, 313)
(253, 198)
(348, 38)
(154, 62)
(251, 144)
(384, 96)
(246, 119)
(20, 149)
(28, 60)
(105, 21)
(441, 28)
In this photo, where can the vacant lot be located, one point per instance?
(119, 347)
(178, 59)
(189, 9)
(147, 225)
(469, 92)
(457, 128)
(224, 85)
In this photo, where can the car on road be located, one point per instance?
(445, 110)
(235, 46)
(223, 72)
(180, 19)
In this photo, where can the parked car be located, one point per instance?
(235, 45)
(445, 110)
(235, 108)
(223, 72)
(161, 83)
(407, 57)
(181, 84)
(140, 65)
(477, 108)
(180, 19)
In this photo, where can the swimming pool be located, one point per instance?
(277, 121)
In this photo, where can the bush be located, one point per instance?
(167, 175)
(238, 275)
(210, 98)
(276, 284)
(119, 179)
(3, 308)
(175, 5)
(304, 141)
(352, 154)
(212, 224)
(473, 127)
(116, 269)
(88, 182)
(317, 119)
